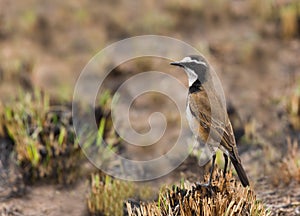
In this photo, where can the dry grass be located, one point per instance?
(289, 165)
(285, 13)
(293, 108)
(265, 10)
(289, 15)
(279, 188)
(107, 195)
(229, 197)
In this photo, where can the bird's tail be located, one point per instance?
(240, 171)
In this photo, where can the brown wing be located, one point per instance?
(219, 124)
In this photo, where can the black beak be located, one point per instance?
(177, 64)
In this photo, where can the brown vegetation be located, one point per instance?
(226, 197)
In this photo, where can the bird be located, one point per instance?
(207, 115)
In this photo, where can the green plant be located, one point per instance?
(28, 19)
(104, 141)
(44, 139)
(105, 100)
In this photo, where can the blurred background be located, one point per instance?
(253, 45)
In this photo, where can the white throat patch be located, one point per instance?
(191, 75)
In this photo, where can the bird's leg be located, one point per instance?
(225, 165)
(212, 169)
(208, 184)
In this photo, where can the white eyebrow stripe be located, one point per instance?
(188, 60)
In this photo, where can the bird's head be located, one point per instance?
(196, 68)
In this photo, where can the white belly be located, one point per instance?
(192, 121)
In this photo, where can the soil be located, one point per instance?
(49, 200)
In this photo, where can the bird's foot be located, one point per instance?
(198, 184)
(207, 186)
